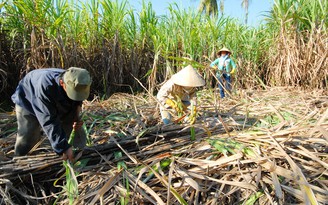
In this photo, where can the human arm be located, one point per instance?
(68, 154)
(78, 123)
(164, 92)
(48, 117)
(215, 63)
(234, 67)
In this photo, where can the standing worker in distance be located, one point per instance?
(179, 93)
(225, 68)
(51, 98)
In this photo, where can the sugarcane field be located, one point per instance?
(103, 103)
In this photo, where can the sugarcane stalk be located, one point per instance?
(192, 119)
(71, 181)
(71, 137)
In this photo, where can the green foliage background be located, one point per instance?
(117, 43)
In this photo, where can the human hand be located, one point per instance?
(68, 154)
(185, 107)
(171, 103)
(77, 125)
(233, 71)
(214, 67)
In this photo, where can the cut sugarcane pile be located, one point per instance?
(264, 147)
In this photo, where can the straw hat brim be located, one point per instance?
(188, 77)
(224, 49)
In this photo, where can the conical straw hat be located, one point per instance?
(189, 77)
(224, 49)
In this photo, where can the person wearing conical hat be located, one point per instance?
(179, 93)
(225, 68)
(51, 99)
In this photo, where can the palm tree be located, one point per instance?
(245, 5)
(210, 7)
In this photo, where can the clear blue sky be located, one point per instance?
(232, 8)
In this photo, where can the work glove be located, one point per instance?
(233, 71)
(171, 103)
(177, 105)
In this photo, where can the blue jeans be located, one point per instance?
(224, 84)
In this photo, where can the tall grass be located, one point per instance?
(117, 43)
(299, 43)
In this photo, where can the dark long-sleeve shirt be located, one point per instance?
(40, 93)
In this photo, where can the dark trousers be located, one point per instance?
(29, 131)
(224, 84)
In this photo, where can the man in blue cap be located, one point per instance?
(51, 99)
